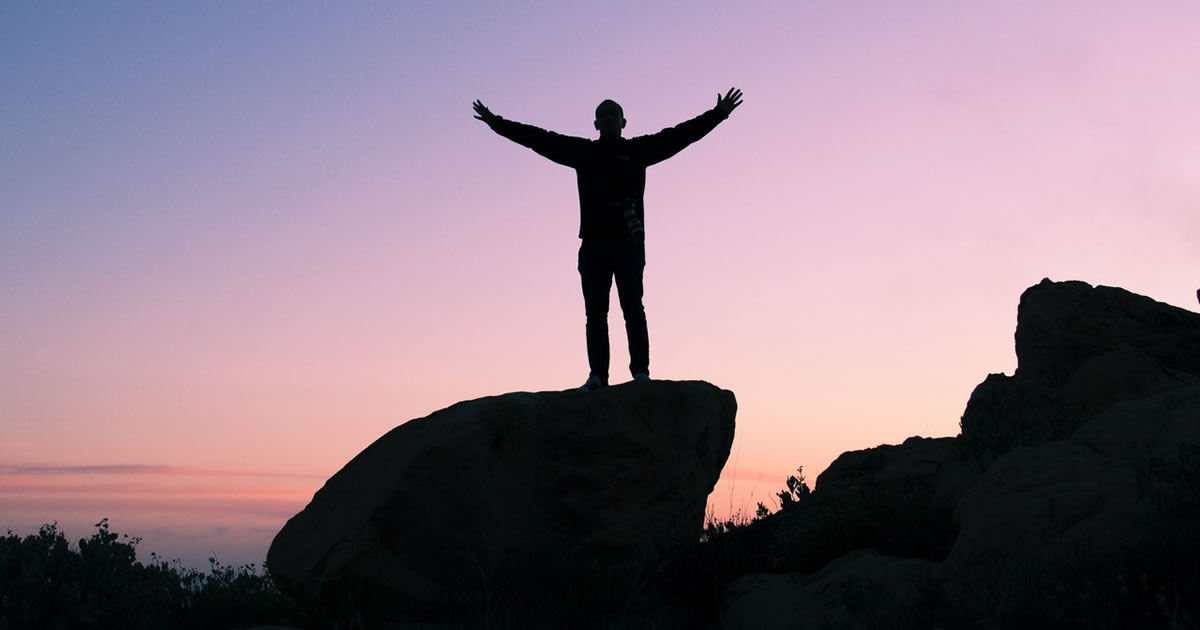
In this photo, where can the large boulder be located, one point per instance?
(1156, 427)
(1060, 492)
(1080, 349)
(456, 508)
(1100, 487)
(1061, 325)
(895, 498)
(918, 466)
(833, 597)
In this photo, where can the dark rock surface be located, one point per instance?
(452, 509)
(913, 465)
(1071, 477)
(1080, 349)
(1070, 499)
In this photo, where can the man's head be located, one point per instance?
(610, 119)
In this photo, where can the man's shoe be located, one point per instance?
(641, 376)
(592, 383)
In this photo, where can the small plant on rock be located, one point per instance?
(797, 490)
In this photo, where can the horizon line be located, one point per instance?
(50, 470)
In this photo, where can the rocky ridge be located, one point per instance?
(1069, 499)
(1070, 479)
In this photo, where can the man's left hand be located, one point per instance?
(483, 113)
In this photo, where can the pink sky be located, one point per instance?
(239, 243)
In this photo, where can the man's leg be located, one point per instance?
(595, 275)
(630, 267)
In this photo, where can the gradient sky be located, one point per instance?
(239, 241)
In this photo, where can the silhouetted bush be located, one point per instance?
(99, 583)
(797, 490)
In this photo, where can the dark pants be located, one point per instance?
(599, 263)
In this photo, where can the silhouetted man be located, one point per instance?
(611, 174)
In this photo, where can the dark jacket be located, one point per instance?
(609, 170)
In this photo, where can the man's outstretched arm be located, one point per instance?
(565, 150)
(662, 145)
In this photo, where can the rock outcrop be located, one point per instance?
(1098, 487)
(452, 509)
(894, 498)
(918, 466)
(1083, 466)
(1069, 499)
(824, 599)
(1079, 351)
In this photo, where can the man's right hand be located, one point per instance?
(483, 113)
(726, 104)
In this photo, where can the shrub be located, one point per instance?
(797, 490)
(99, 583)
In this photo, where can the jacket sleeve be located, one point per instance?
(565, 150)
(657, 147)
